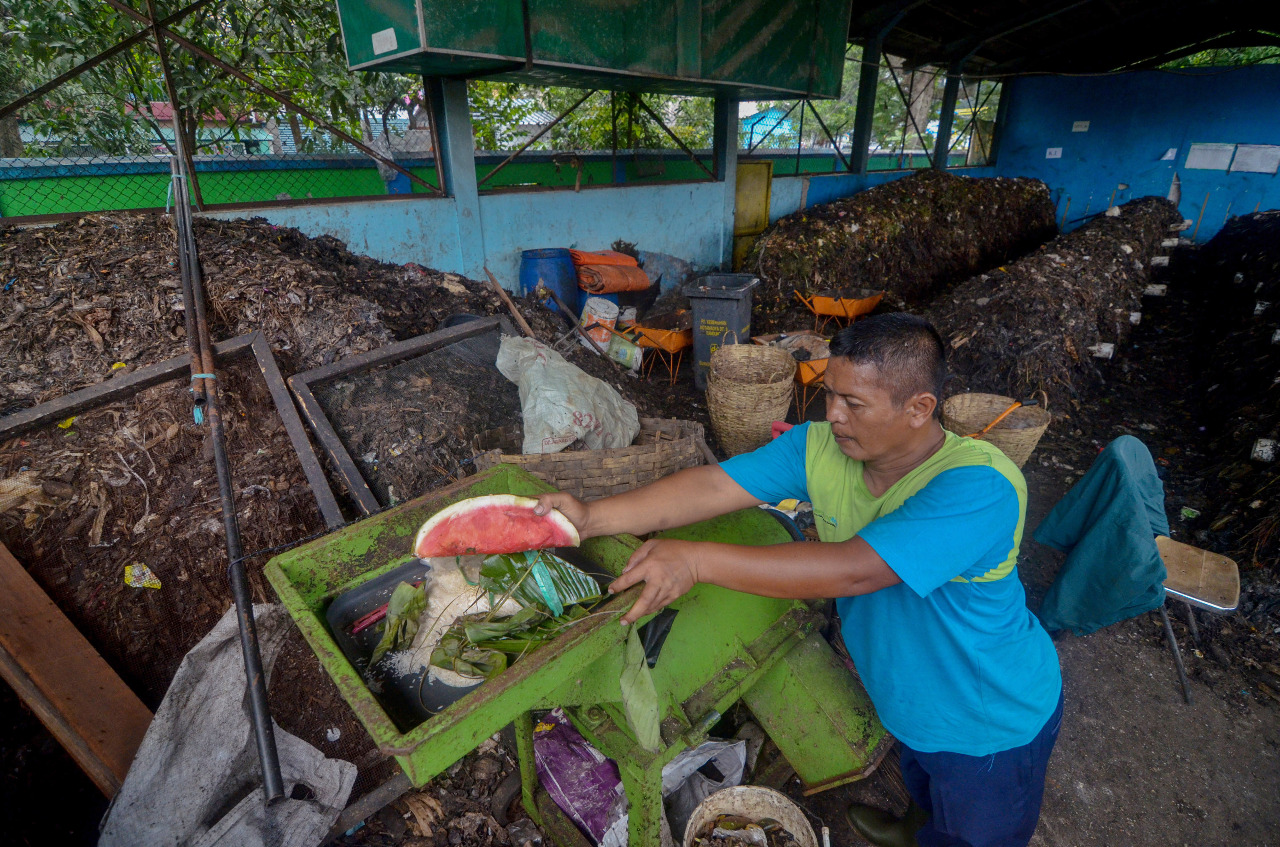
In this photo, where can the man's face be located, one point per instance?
(866, 422)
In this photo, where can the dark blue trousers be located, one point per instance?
(981, 801)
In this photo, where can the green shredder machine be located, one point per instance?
(723, 646)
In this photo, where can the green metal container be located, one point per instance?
(721, 644)
(754, 49)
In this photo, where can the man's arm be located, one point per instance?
(798, 570)
(685, 497)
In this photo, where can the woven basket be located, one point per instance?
(663, 447)
(748, 388)
(1017, 435)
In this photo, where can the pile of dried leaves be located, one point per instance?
(87, 295)
(909, 237)
(1036, 324)
(1236, 277)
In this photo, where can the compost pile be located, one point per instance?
(910, 236)
(1035, 324)
(1237, 282)
(103, 292)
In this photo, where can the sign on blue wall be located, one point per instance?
(1207, 138)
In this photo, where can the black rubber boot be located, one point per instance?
(883, 829)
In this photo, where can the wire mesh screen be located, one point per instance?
(409, 427)
(265, 115)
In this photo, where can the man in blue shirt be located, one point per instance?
(920, 531)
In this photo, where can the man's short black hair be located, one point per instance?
(905, 349)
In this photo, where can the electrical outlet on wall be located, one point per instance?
(1053, 153)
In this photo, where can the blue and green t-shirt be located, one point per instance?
(951, 657)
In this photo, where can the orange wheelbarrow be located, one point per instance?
(827, 306)
(668, 346)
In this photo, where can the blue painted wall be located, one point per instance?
(683, 219)
(790, 194)
(1133, 120)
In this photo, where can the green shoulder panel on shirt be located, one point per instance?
(842, 505)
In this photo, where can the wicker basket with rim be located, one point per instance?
(663, 447)
(1016, 435)
(748, 388)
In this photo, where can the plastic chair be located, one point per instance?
(1201, 580)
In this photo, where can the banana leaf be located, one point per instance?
(406, 606)
(537, 579)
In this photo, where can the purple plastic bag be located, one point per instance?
(581, 781)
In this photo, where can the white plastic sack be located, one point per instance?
(561, 403)
(196, 780)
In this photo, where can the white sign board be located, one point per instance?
(1256, 158)
(1053, 153)
(1210, 157)
(384, 41)
(1169, 155)
(1080, 126)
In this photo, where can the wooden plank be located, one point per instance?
(61, 678)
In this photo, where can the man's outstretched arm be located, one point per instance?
(685, 497)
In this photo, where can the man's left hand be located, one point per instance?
(668, 569)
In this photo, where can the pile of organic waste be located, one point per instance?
(909, 237)
(1236, 280)
(1048, 321)
(740, 831)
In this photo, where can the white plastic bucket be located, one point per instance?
(755, 802)
(598, 310)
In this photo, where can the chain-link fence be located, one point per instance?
(260, 105)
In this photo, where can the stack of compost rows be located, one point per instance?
(1042, 322)
(1238, 288)
(910, 237)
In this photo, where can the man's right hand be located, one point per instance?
(578, 512)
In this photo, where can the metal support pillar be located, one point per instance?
(942, 146)
(456, 161)
(726, 160)
(864, 113)
(1002, 117)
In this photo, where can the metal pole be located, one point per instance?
(539, 134)
(259, 713)
(179, 136)
(651, 113)
(799, 139)
(942, 144)
(864, 110)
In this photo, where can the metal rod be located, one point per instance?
(539, 134)
(694, 156)
(908, 101)
(581, 332)
(776, 124)
(1177, 655)
(269, 92)
(800, 138)
(1203, 206)
(830, 137)
(428, 100)
(255, 676)
(188, 313)
(179, 135)
(90, 64)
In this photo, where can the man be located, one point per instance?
(920, 531)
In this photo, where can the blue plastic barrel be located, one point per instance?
(552, 267)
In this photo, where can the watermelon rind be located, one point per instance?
(490, 501)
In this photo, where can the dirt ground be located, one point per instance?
(1134, 765)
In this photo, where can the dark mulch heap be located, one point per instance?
(1236, 279)
(910, 237)
(1029, 326)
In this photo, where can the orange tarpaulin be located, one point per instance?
(610, 279)
(602, 257)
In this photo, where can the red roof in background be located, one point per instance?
(161, 111)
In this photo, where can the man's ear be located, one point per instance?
(920, 409)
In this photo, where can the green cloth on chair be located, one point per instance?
(1107, 525)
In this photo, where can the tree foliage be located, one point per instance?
(290, 45)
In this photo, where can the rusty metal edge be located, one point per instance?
(283, 400)
(121, 387)
(301, 386)
(368, 805)
(110, 390)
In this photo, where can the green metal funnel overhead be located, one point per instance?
(751, 49)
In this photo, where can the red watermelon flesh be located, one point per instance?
(497, 523)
